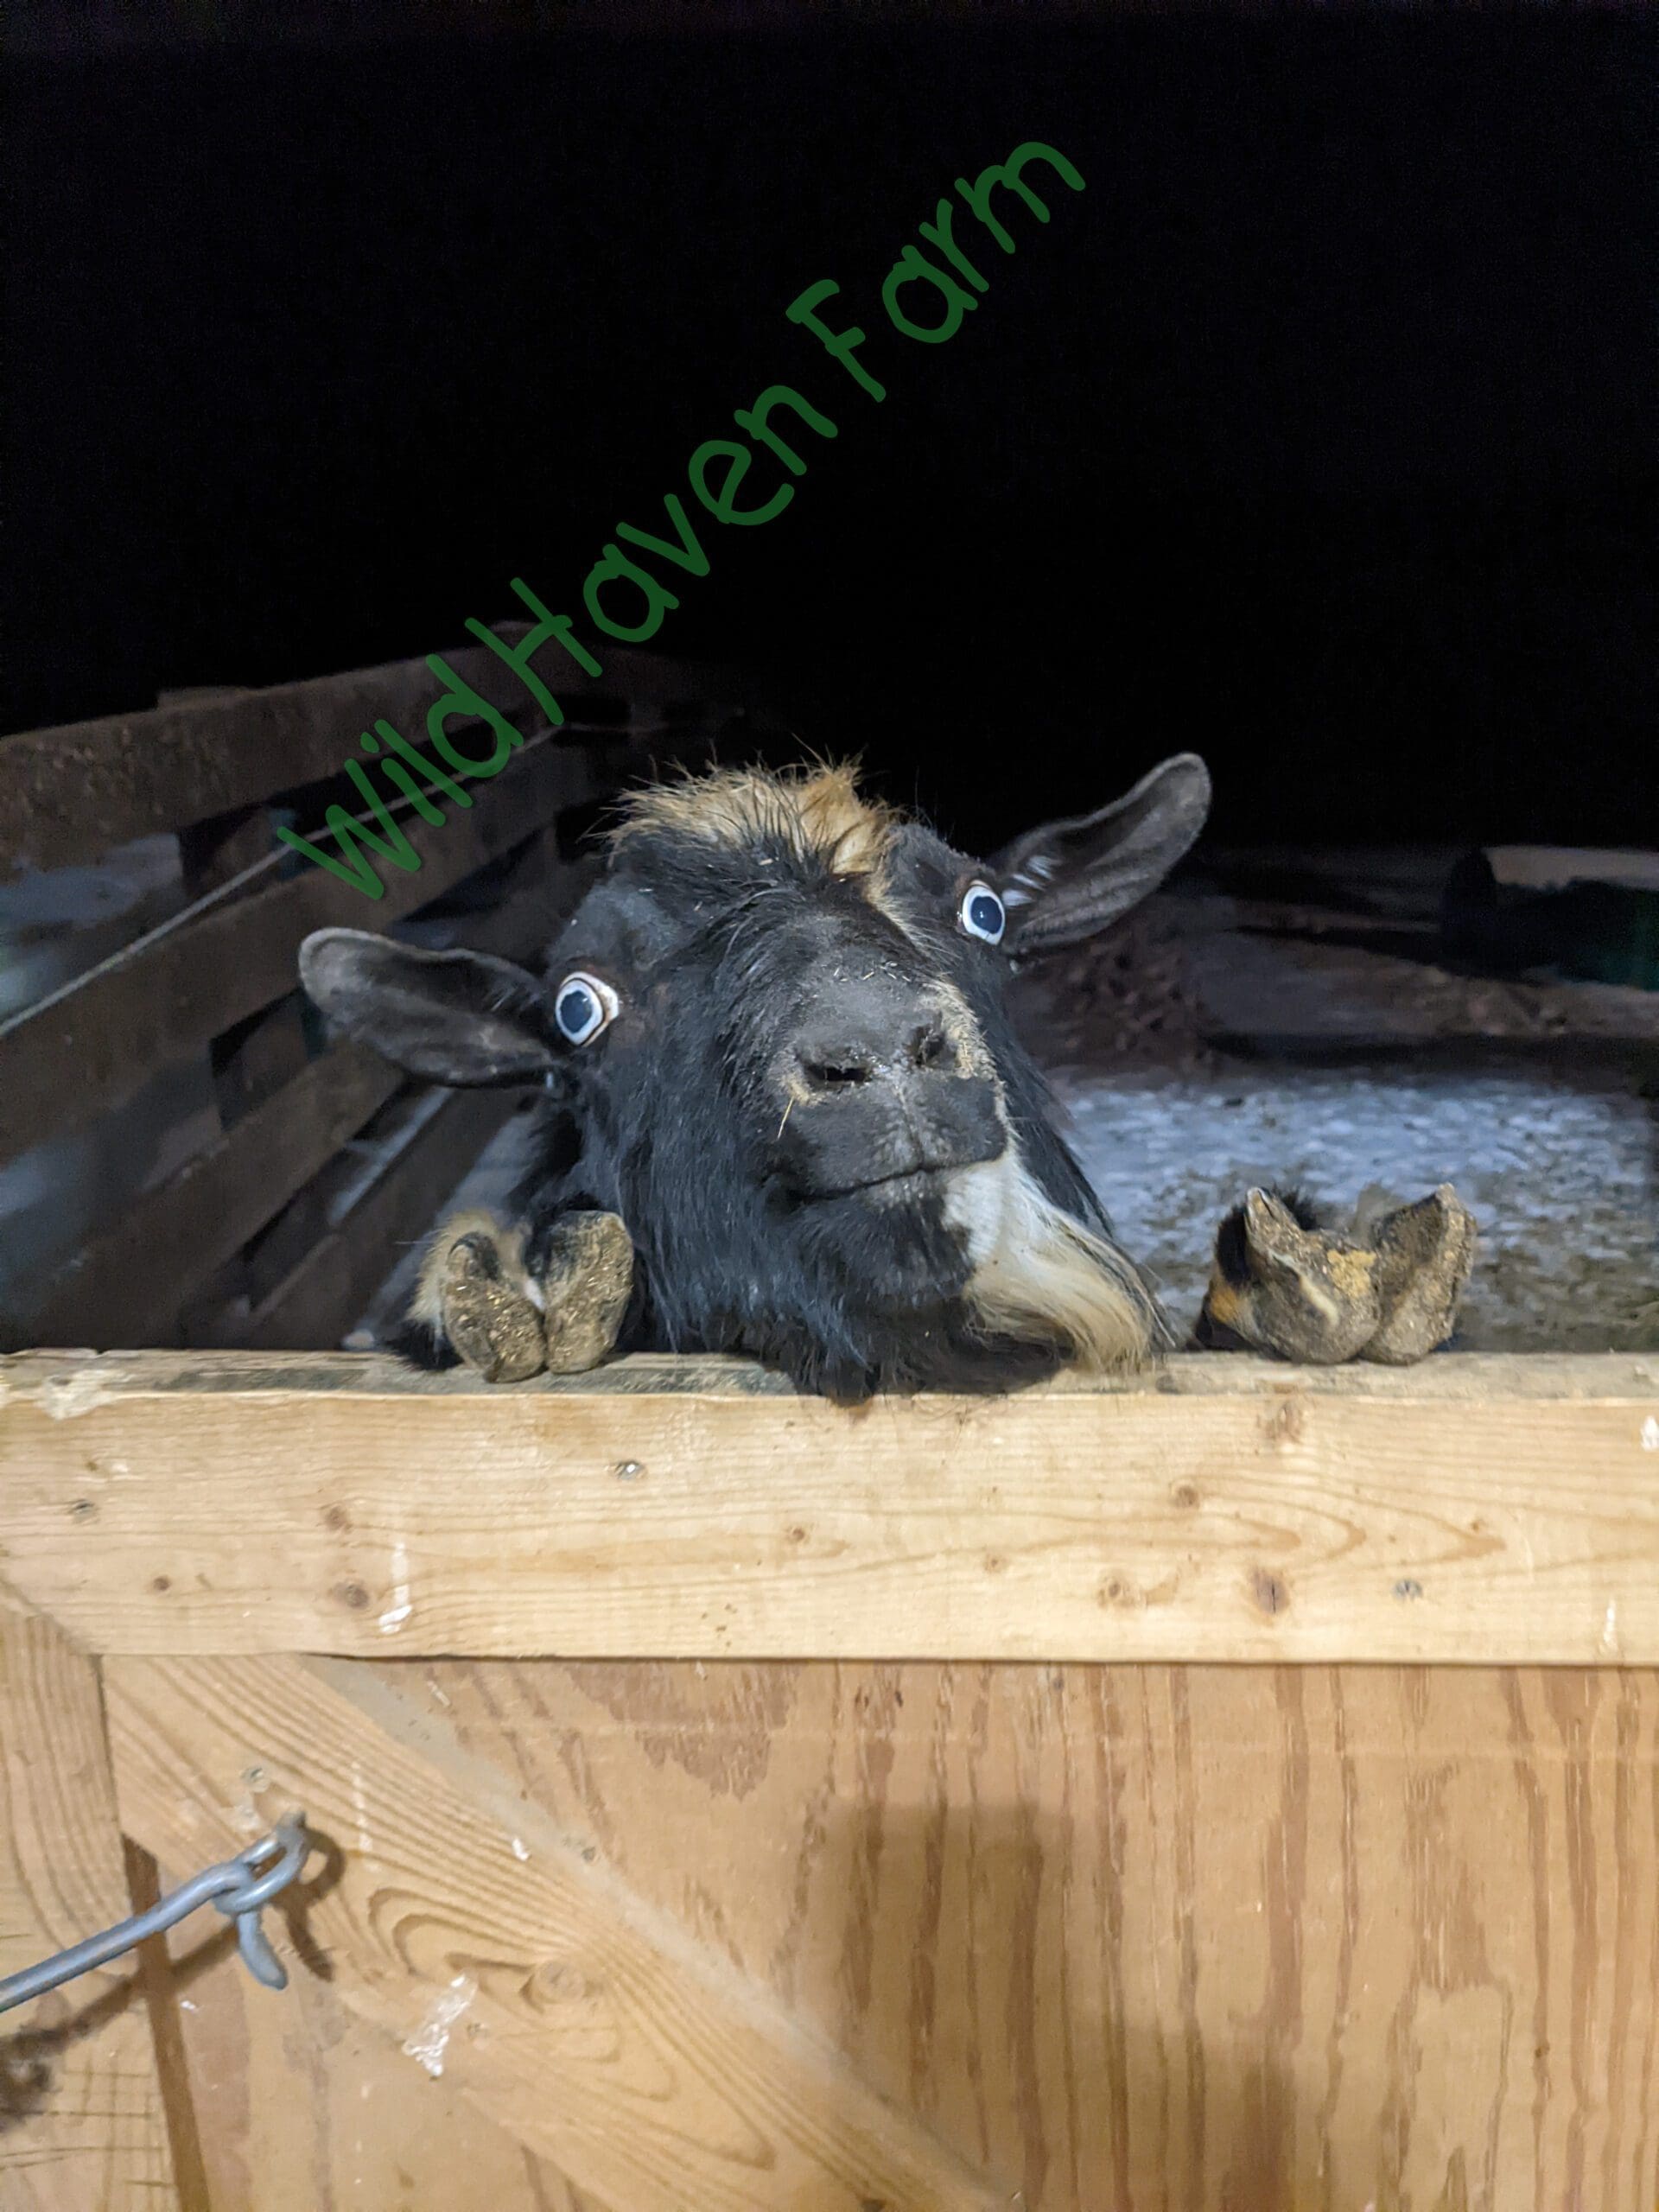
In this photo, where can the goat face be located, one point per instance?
(775, 1043)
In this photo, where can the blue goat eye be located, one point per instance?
(982, 913)
(583, 1007)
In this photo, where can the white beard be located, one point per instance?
(1042, 1277)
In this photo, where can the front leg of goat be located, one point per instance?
(510, 1314)
(584, 1265)
(1389, 1289)
(1281, 1283)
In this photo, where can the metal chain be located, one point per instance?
(239, 1887)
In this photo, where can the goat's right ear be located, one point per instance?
(452, 1017)
(1070, 879)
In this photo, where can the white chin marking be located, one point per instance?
(1041, 1276)
(978, 1202)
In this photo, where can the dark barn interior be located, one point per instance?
(1315, 435)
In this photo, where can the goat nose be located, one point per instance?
(846, 1057)
(840, 1065)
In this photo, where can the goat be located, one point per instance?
(786, 1111)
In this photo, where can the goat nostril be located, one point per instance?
(834, 1075)
(929, 1047)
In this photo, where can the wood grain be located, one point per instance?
(1268, 1517)
(303, 2106)
(1229, 1940)
(459, 1919)
(81, 2123)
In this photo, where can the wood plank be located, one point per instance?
(1278, 1514)
(333, 1285)
(72, 791)
(466, 1925)
(302, 2106)
(81, 2123)
(1225, 1939)
(87, 1047)
(141, 1272)
(77, 789)
(267, 1049)
(1449, 1378)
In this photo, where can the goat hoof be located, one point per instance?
(491, 1324)
(1300, 1293)
(587, 1279)
(1424, 1255)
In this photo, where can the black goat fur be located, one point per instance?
(725, 934)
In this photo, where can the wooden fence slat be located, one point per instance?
(82, 2127)
(143, 1270)
(72, 791)
(467, 1928)
(1158, 1939)
(333, 1285)
(83, 1050)
(146, 1266)
(1252, 1513)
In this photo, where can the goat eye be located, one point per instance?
(583, 1007)
(981, 914)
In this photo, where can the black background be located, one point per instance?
(1316, 432)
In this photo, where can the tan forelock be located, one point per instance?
(818, 810)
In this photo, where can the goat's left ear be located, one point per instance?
(450, 1017)
(1070, 879)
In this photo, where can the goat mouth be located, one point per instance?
(904, 1183)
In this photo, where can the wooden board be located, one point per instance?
(82, 2127)
(169, 1238)
(1237, 1940)
(491, 1949)
(72, 791)
(87, 1046)
(333, 1285)
(1231, 1510)
(301, 2104)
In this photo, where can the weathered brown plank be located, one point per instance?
(140, 1274)
(72, 791)
(75, 789)
(464, 1924)
(330, 1287)
(82, 2122)
(82, 1049)
(1273, 1517)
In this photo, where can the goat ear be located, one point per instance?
(452, 1017)
(1069, 880)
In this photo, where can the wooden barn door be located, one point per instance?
(827, 1938)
